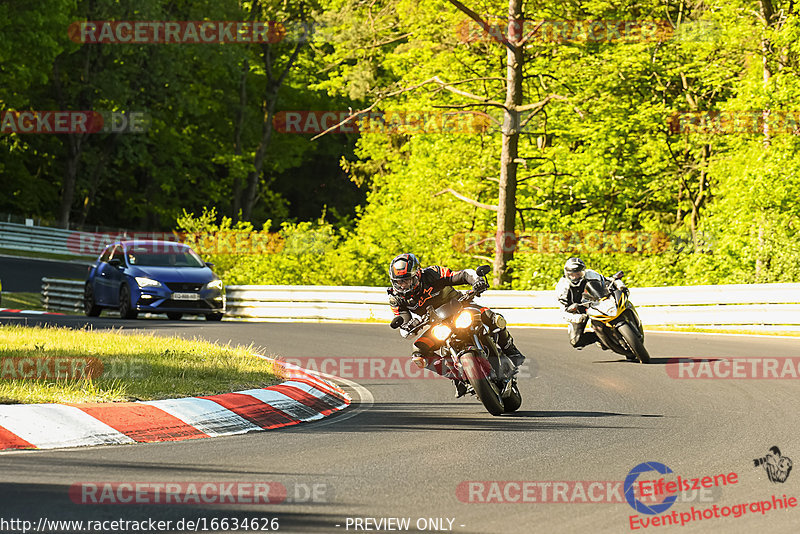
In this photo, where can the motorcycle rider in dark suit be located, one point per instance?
(414, 289)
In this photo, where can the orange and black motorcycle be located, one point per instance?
(467, 349)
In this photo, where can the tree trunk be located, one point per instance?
(507, 196)
(73, 142)
(768, 14)
(268, 104)
(74, 145)
(251, 193)
(237, 140)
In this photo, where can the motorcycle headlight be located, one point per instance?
(464, 320)
(147, 282)
(214, 284)
(441, 332)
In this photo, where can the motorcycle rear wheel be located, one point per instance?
(634, 342)
(480, 383)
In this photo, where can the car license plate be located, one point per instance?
(185, 296)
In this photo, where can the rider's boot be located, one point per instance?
(461, 388)
(513, 353)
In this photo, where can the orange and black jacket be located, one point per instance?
(435, 290)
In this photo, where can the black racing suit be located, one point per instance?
(436, 289)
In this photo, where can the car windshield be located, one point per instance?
(163, 256)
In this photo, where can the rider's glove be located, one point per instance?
(405, 330)
(480, 286)
(419, 360)
(576, 308)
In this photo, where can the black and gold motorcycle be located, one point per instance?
(614, 319)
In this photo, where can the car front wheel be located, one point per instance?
(126, 310)
(90, 307)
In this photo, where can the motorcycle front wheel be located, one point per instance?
(513, 401)
(634, 342)
(480, 383)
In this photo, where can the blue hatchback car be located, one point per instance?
(156, 277)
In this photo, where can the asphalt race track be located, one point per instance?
(406, 446)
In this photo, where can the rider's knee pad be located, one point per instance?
(493, 320)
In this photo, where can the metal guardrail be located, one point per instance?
(745, 304)
(62, 295)
(753, 304)
(43, 239)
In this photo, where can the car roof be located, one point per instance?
(150, 242)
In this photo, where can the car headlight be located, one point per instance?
(464, 320)
(441, 332)
(214, 284)
(147, 282)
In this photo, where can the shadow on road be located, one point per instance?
(32, 502)
(471, 416)
(672, 360)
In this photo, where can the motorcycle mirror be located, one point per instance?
(483, 270)
(396, 322)
(618, 275)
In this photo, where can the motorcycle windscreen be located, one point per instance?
(446, 310)
(595, 290)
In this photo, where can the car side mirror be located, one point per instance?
(115, 263)
(483, 270)
(209, 265)
(396, 322)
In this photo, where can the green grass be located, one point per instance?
(22, 301)
(134, 366)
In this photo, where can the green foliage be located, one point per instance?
(602, 155)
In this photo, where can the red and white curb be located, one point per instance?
(33, 312)
(303, 397)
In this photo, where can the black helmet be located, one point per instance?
(574, 271)
(404, 271)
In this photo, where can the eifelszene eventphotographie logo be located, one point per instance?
(777, 467)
